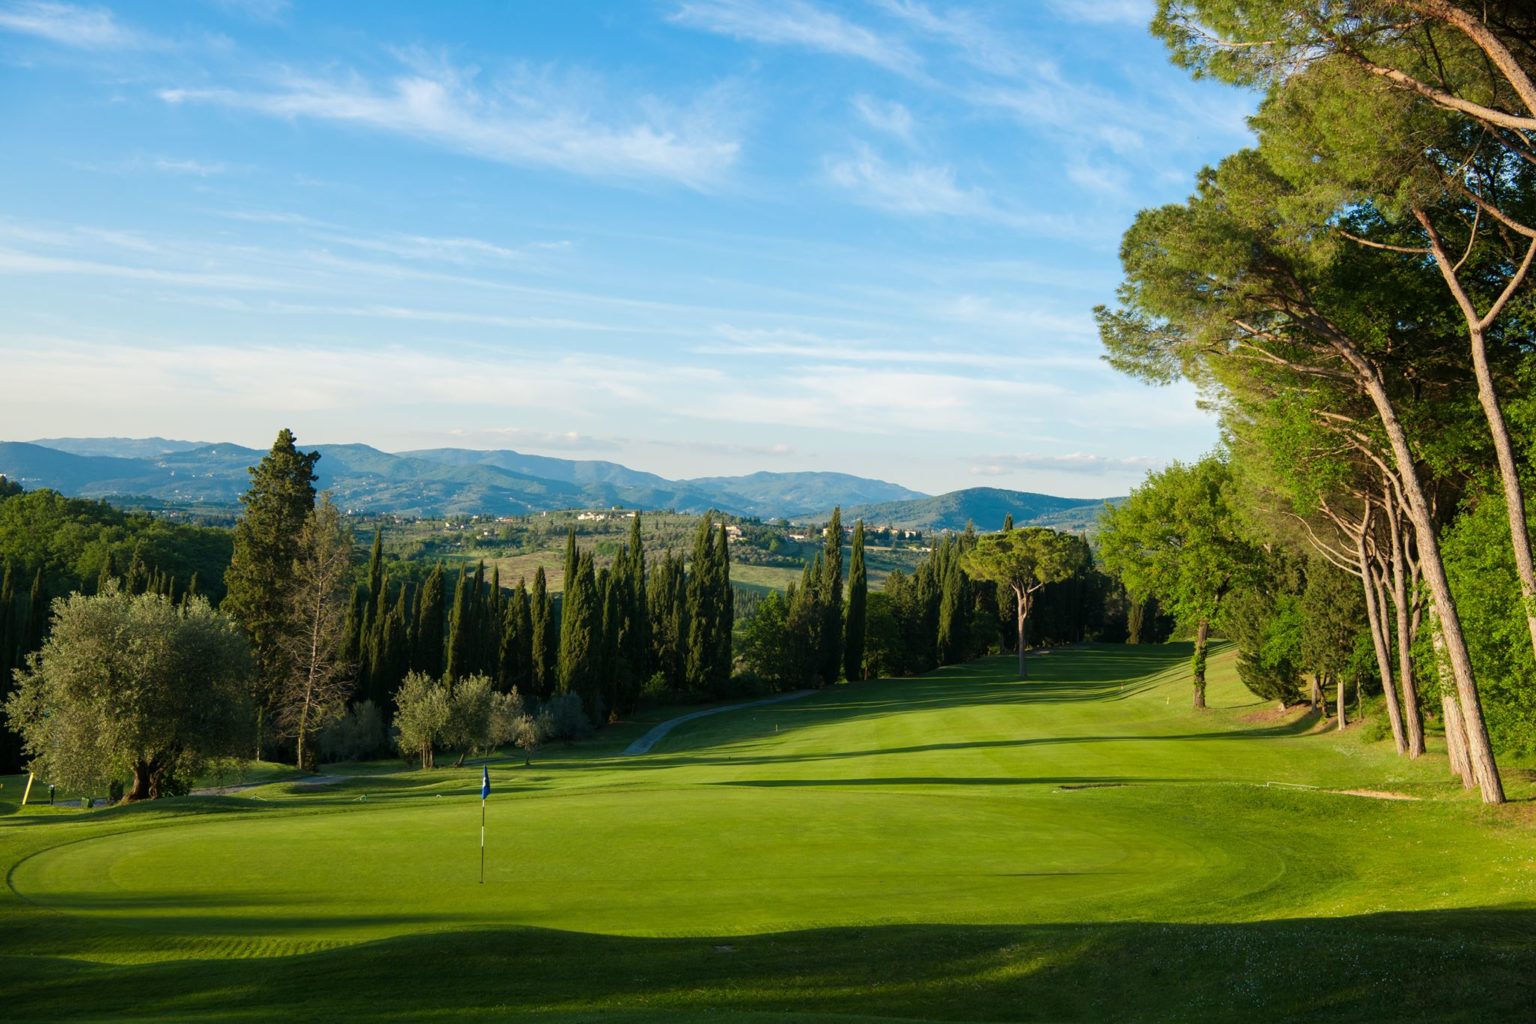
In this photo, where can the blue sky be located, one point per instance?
(694, 236)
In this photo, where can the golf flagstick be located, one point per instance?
(485, 791)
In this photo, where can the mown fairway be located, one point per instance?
(957, 847)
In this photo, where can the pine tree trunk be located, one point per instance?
(1488, 398)
(1413, 719)
(1479, 749)
(1202, 640)
(1456, 740)
(1376, 615)
(1343, 715)
(1020, 612)
(1455, 729)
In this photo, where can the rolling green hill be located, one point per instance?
(957, 847)
(986, 507)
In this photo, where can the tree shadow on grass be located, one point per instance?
(1473, 965)
(1296, 727)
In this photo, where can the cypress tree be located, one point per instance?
(476, 660)
(803, 624)
(516, 661)
(544, 640)
(831, 640)
(667, 608)
(456, 662)
(107, 574)
(376, 567)
(634, 658)
(10, 634)
(376, 647)
(610, 685)
(952, 636)
(699, 655)
(36, 627)
(580, 622)
(492, 622)
(1007, 522)
(427, 648)
(725, 606)
(397, 653)
(858, 590)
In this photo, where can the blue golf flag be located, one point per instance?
(485, 783)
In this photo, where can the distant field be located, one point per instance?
(959, 847)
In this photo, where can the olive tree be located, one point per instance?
(133, 685)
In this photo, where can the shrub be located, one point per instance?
(562, 718)
(356, 736)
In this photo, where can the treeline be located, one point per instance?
(614, 631)
(955, 606)
(1358, 306)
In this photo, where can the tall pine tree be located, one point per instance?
(280, 498)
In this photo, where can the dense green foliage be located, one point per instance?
(1353, 294)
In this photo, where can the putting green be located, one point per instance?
(945, 811)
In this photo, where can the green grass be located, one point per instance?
(962, 846)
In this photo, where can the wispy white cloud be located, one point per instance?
(792, 344)
(886, 116)
(84, 28)
(800, 24)
(524, 123)
(1105, 12)
(979, 44)
(1070, 462)
(463, 251)
(195, 168)
(910, 188)
(524, 437)
(32, 263)
(269, 11)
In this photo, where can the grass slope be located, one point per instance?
(957, 847)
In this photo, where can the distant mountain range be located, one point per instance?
(986, 507)
(455, 481)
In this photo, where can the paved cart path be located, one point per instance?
(644, 744)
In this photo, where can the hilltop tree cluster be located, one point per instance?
(1353, 293)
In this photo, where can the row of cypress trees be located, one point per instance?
(811, 635)
(610, 632)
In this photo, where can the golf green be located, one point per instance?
(959, 846)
